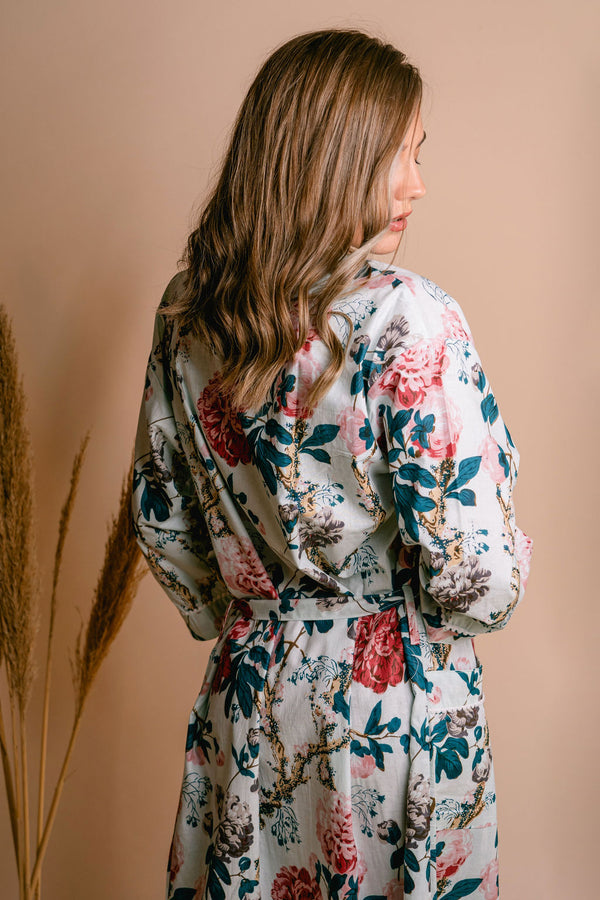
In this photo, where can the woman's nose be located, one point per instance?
(417, 186)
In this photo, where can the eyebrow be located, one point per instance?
(422, 139)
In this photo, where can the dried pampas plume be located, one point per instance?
(120, 575)
(121, 572)
(19, 617)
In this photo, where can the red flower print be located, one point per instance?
(378, 654)
(223, 670)
(410, 375)
(222, 425)
(458, 846)
(334, 830)
(292, 883)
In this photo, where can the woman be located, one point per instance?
(324, 484)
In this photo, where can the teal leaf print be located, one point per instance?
(322, 434)
(463, 888)
(318, 453)
(414, 472)
(273, 429)
(396, 423)
(410, 860)
(356, 383)
(407, 500)
(467, 469)
(241, 761)
(489, 408)
(422, 429)
(447, 758)
(154, 497)
(470, 680)
(267, 457)
(373, 720)
(466, 497)
(503, 460)
(246, 887)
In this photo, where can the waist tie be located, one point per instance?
(311, 608)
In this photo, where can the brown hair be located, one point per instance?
(308, 163)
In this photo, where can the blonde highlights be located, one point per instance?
(308, 163)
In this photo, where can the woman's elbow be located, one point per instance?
(471, 589)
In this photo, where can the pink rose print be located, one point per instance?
(409, 377)
(381, 281)
(292, 883)
(351, 421)
(334, 831)
(196, 756)
(436, 695)
(523, 551)
(394, 890)
(176, 857)
(489, 460)
(379, 654)
(410, 284)
(464, 663)
(305, 370)
(458, 846)
(453, 326)
(447, 428)
(489, 885)
(361, 766)
(242, 568)
(222, 425)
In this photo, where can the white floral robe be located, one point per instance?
(344, 558)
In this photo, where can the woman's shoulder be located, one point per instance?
(394, 292)
(174, 289)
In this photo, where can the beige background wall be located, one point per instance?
(114, 115)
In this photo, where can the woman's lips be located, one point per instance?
(398, 224)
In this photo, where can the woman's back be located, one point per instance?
(344, 555)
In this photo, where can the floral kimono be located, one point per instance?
(344, 558)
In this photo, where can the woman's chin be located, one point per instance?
(387, 244)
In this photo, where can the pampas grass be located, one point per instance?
(117, 583)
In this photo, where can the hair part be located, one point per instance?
(308, 162)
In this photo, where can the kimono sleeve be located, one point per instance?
(168, 521)
(453, 465)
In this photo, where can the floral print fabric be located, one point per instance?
(344, 558)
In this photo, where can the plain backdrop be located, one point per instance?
(114, 118)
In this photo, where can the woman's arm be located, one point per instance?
(168, 520)
(453, 467)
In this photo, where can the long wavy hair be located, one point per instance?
(307, 164)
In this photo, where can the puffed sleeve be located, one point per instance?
(453, 466)
(168, 521)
